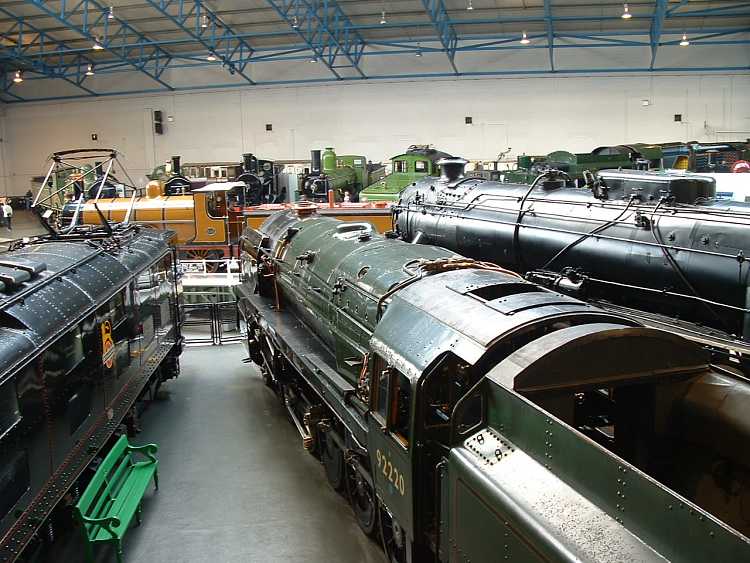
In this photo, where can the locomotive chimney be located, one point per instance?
(175, 165)
(314, 161)
(247, 162)
(452, 169)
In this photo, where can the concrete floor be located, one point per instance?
(235, 483)
(25, 224)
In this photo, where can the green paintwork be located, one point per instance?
(328, 159)
(565, 494)
(346, 172)
(575, 164)
(339, 253)
(458, 334)
(406, 168)
(113, 497)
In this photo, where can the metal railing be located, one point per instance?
(210, 273)
(212, 323)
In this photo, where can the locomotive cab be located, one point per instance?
(218, 214)
(417, 162)
(504, 416)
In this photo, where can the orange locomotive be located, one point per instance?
(209, 220)
(81, 188)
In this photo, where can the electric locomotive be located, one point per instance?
(89, 326)
(655, 246)
(473, 416)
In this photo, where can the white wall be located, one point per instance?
(378, 119)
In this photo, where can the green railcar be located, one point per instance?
(418, 161)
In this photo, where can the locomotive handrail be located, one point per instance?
(414, 208)
(668, 292)
(674, 209)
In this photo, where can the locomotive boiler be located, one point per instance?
(470, 415)
(653, 245)
(89, 328)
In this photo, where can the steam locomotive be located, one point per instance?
(654, 246)
(692, 156)
(473, 416)
(89, 326)
(344, 175)
(259, 176)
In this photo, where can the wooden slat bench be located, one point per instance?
(113, 497)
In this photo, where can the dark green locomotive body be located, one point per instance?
(471, 415)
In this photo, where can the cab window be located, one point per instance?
(214, 205)
(391, 400)
(420, 166)
(399, 166)
(400, 407)
(380, 395)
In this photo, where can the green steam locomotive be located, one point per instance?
(692, 157)
(470, 415)
(344, 175)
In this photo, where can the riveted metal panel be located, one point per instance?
(664, 521)
(78, 276)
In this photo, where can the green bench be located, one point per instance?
(113, 497)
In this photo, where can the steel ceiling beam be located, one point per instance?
(657, 23)
(600, 35)
(442, 23)
(478, 74)
(550, 33)
(22, 38)
(207, 28)
(499, 42)
(88, 15)
(325, 29)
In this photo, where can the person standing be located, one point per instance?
(2, 214)
(8, 211)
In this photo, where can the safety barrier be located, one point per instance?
(211, 323)
(210, 273)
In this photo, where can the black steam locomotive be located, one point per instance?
(470, 415)
(89, 325)
(654, 246)
(261, 182)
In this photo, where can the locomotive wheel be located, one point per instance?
(333, 462)
(394, 538)
(204, 254)
(362, 499)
